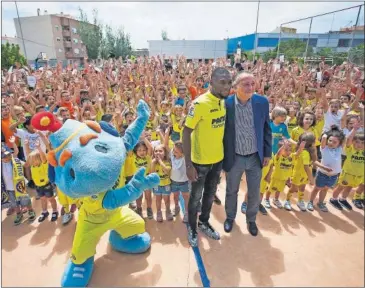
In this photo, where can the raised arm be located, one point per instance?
(134, 131)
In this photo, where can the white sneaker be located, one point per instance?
(277, 203)
(66, 218)
(301, 205)
(287, 205)
(267, 203)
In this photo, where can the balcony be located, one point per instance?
(67, 44)
(65, 21)
(66, 33)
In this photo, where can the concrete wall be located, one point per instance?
(38, 35)
(191, 49)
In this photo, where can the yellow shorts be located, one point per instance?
(125, 221)
(263, 185)
(349, 180)
(277, 185)
(65, 200)
(299, 180)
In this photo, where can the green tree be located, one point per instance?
(10, 54)
(164, 35)
(356, 55)
(294, 48)
(116, 43)
(91, 33)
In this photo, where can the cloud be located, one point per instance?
(193, 20)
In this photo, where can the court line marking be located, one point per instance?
(198, 258)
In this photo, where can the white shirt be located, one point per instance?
(32, 138)
(332, 119)
(331, 157)
(178, 169)
(7, 171)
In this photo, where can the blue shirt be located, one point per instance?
(179, 101)
(278, 132)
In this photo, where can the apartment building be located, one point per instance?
(54, 34)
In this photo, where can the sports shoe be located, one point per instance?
(208, 230)
(66, 218)
(244, 207)
(358, 204)
(322, 206)
(301, 205)
(169, 216)
(54, 216)
(159, 216)
(345, 204)
(310, 206)
(262, 209)
(287, 205)
(277, 203)
(43, 216)
(18, 219)
(133, 205)
(267, 203)
(192, 237)
(149, 213)
(335, 203)
(176, 210)
(32, 215)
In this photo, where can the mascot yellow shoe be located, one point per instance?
(87, 163)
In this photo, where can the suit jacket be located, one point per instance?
(260, 108)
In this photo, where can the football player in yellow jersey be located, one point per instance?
(352, 175)
(203, 149)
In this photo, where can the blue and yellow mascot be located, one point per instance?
(87, 164)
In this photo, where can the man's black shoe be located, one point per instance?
(228, 225)
(252, 228)
(217, 200)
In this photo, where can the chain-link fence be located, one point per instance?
(333, 37)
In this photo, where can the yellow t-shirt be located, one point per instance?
(129, 165)
(207, 117)
(40, 174)
(142, 162)
(164, 177)
(292, 123)
(297, 131)
(354, 163)
(175, 123)
(298, 168)
(151, 126)
(319, 128)
(283, 167)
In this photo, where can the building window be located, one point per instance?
(75, 40)
(344, 43)
(58, 39)
(57, 27)
(74, 30)
(76, 51)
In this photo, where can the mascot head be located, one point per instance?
(87, 157)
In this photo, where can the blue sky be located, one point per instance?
(191, 20)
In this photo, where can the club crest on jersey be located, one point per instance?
(191, 111)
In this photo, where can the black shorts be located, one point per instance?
(45, 191)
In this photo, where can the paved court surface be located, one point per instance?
(292, 249)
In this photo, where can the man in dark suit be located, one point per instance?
(247, 148)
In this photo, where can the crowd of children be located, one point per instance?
(317, 128)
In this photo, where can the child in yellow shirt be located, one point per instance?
(37, 161)
(283, 166)
(352, 175)
(162, 166)
(302, 170)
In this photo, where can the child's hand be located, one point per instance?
(327, 169)
(302, 145)
(311, 182)
(12, 139)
